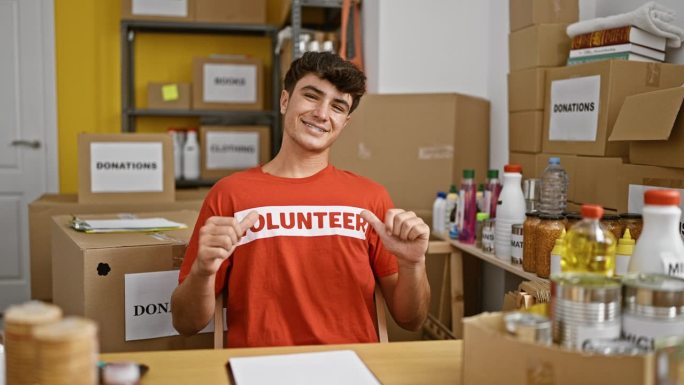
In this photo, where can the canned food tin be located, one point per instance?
(612, 347)
(584, 307)
(517, 244)
(653, 308)
(529, 327)
(488, 235)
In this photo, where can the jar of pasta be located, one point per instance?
(612, 223)
(529, 263)
(549, 229)
(571, 219)
(633, 222)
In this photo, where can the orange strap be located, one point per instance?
(352, 51)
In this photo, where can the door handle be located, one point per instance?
(26, 143)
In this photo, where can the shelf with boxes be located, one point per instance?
(219, 113)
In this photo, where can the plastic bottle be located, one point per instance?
(510, 210)
(625, 249)
(589, 246)
(438, 214)
(451, 205)
(491, 193)
(558, 253)
(191, 156)
(480, 198)
(659, 248)
(554, 187)
(468, 198)
(177, 138)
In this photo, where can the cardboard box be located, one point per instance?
(525, 131)
(177, 10)
(527, 161)
(89, 269)
(524, 13)
(278, 12)
(576, 86)
(654, 124)
(231, 11)
(545, 45)
(518, 362)
(526, 89)
(125, 168)
(227, 84)
(168, 96)
(44, 208)
(596, 181)
(415, 145)
(226, 149)
(633, 177)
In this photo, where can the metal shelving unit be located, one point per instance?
(296, 18)
(129, 112)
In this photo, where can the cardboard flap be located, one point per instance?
(648, 116)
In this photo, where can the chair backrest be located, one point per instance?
(381, 322)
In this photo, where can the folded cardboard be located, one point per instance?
(89, 269)
(125, 168)
(524, 13)
(176, 10)
(226, 149)
(639, 176)
(490, 356)
(420, 151)
(545, 45)
(525, 131)
(526, 89)
(653, 122)
(227, 83)
(168, 96)
(44, 208)
(527, 161)
(231, 11)
(584, 102)
(596, 181)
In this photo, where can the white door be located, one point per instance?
(28, 157)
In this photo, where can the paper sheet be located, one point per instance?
(123, 225)
(333, 367)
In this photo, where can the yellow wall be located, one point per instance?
(89, 73)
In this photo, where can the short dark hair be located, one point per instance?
(343, 74)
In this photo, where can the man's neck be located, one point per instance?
(289, 165)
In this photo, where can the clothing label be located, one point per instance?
(516, 249)
(672, 265)
(126, 167)
(635, 201)
(304, 221)
(231, 150)
(644, 331)
(574, 109)
(230, 83)
(177, 8)
(604, 330)
(621, 264)
(147, 302)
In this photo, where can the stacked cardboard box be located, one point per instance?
(537, 42)
(205, 11)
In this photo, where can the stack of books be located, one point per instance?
(623, 43)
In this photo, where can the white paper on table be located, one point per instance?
(331, 368)
(131, 224)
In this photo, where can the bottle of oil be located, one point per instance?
(590, 247)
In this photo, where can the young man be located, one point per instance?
(299, 242)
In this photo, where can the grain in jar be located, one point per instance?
(634, 222)
(612, 223)
(549, 229)
(529, 262)
(571, 219)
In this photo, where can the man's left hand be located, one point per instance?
(403, 233)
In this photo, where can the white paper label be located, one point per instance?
(230, 83)
(148, 305)
(126, 167)
(232, 150)
(672, 265)
(645, 331)
(574, 109)
(177, 8)
(516, 248)
(607, 331)
(436, 152)
(635, 201)
(555, 264)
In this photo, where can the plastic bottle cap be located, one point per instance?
(480, 187)
(513, 168)
(469, 173)
(453, 189)
(493, 174)
(554, 160)
(662, 197)
(441, 194)
(625, 244)
(482, 216)
(592, 211)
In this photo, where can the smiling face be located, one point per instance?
(314, 114)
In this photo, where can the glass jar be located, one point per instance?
(571, 219)
(632, 221)
(613, 224)
(529, 263)
(549, 229)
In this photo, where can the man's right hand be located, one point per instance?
(217, 240)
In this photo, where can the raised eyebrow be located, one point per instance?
(319, 92)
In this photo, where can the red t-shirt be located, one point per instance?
(305, 272)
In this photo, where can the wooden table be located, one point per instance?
(417, 362)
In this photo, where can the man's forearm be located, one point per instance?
(192, 304)
(411, 299)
